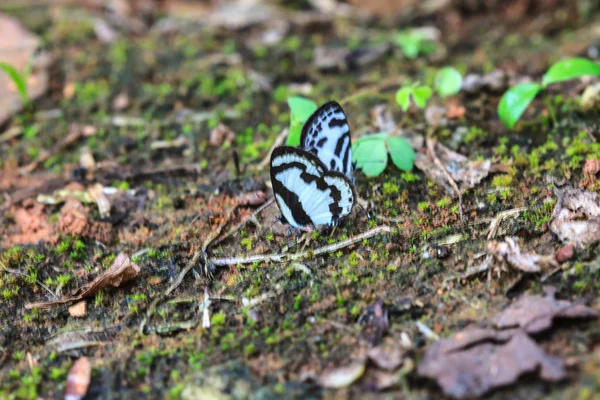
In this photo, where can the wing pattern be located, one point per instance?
(326, 134)
(306, 191)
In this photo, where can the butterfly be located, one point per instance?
(327, 135)
(313, 184)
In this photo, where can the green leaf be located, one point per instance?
(370, 155)
(421, 95)
(569, 69)
(515, 101)
(448, 81)
(19, 80)
(300, 110)
(403, 155)
(403, 97)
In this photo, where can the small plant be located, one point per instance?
(19, 79)
(448, 81)
(413, 43)
(300, 110)
(516, 99)
(420, 95)
(370, 153)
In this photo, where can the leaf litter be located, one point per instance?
(477, 360)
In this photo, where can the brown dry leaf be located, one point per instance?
(534, 314)
(75, 219)
(78, 379)
(121, 270)
(388, 355)
(476, 361)
(17, 48)
(510, 252)
(455, 111)
(343, 376)
(576, 217)
(465, 173)
(78, 309)
(220, 134)
(33, 224)
(251, 199)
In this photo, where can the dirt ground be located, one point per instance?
(140, 251)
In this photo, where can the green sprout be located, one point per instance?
(420, 95)
(18, 78)
(448, 81)
(413, 43)
(370, 153)
(515, 100)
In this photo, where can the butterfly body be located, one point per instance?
(313, 184)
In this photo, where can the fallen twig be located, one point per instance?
(296, 256)
(495, 224)
(431, 149)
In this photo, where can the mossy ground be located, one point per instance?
(311, 313)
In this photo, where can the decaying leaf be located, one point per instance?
(535, 314)
(465, 173)
(75, 219)
(78, 309)
(78, 379)
(121, 270)
(388, 355)
(327, 59)
(576, 217)
(510, 252)
(477, 360)
(33, 225)
(343, 376)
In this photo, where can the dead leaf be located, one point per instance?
(388, 355)
(476, 361)
(121, 270)
(535, 314)
(510, 252)
(78, 309)
(220, 134)
(465, 173)
(75, 219)
(251, 199)
(18, 48)
(78, 379)
(455, 111)
(576, 217)
(33, 224)
(343, 376)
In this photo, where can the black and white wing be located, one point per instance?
(327, 135)
(306, 192)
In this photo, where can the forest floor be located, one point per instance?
(135, 193)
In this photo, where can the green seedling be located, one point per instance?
(370, 153)
(300, 110)
(18, 78)
(413, 43)
(516, 100)
(420, 95)
(448, 81)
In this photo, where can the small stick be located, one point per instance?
(495, 224)
(431, 148)
(296, 256)
(183, 272)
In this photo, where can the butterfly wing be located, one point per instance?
(306, 192)
(327, 135)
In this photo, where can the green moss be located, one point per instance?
(218, 319)
(502, 181)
